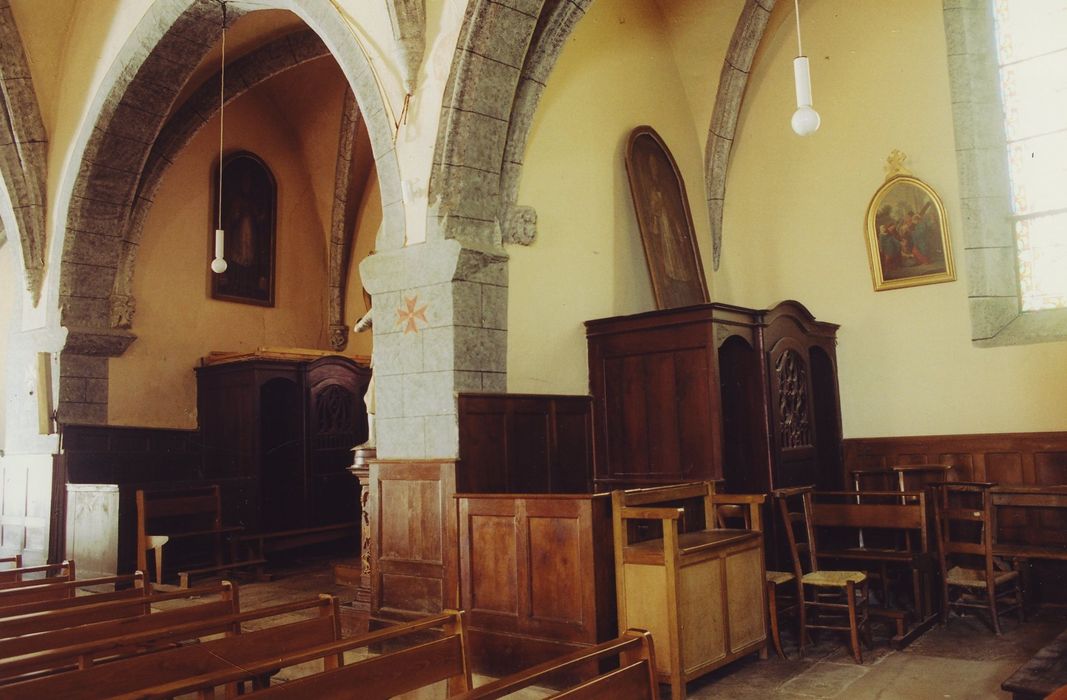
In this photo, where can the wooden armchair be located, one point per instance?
(968, 568)
(830, 600)
(700, 593)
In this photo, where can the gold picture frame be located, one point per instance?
(907, 233)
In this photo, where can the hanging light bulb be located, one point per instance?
(805, 120)
(218, 265)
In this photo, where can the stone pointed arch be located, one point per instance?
(505, 52)
(23, 153)
(732, 81)
(111, 150)
(242, 75)
(346, 197)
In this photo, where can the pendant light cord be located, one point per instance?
(222, 107)
(800, 49)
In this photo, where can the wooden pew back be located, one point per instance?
(15, 562)
(185, 664)
(24, 576)
(83, 644)
(391, 673)
(635, 679)
(60, 594)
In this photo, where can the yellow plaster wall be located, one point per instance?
(617, 72)
(794, 220)
(153, 383)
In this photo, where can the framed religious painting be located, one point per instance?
(907, 232)
(665, 222)
(248, 205)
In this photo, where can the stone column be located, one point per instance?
(440, 327)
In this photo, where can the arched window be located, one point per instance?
(1007, 65)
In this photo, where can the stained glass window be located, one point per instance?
(1032, 51)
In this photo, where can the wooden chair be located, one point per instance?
(744, 510)
(15, 561)
(165, 516)
(965, 555)
(823, 593)
(699, 593)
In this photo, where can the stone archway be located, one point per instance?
(23, 159)
(457, 279)
(102, 195)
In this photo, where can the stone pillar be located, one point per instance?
(440, 327)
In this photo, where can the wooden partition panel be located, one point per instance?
(413, 551)
(536, 576)
(527, 443)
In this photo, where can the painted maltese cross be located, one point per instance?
(409, 313)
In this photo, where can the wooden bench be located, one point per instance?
(91, 610)
(1045, 673)
(81, 646)
(634, 679)
(45, 596)
(185, 667)
(51, 573)
(444, 658)
(900, 520)
(16, 563)
(165, 516)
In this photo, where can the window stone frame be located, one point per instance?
(988, 232)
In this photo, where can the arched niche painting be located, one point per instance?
(248, 204)
(665, 222)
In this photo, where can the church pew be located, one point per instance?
(634, 679)
(14, 560)
(137, 675)
(17, 578)
(66, 594)
(48, 595)
(382, 676)
(91, 612)
(81, 646)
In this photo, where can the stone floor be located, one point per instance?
(962, 660)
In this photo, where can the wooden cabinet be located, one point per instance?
(716, 391)
(699, 593)
(537, 576)
(656, 410)
(288, 426)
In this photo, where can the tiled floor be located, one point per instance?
(962, 660)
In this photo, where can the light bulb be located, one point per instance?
(805, 120)
(218, 266)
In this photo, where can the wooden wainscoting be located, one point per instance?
(1031, 459)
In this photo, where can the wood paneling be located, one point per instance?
(537, 576)
(413, 534)
(129, 458)
(1031, 459)
(654, 379)
(526, 443)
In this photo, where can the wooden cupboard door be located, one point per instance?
(702, 614)
(527, 566)
(745, 598)
(413, 563)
